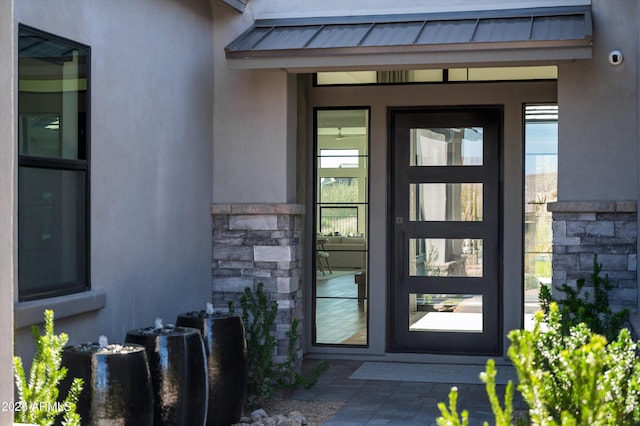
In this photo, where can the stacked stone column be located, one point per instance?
(605, 228)
(260, 243)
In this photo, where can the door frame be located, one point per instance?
(392, 250)
(380, 97)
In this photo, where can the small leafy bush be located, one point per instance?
(503, 416)
(450, 415)
(290, 378)
(579, 306)
(258, 316)
(38, 400)
(574, 378)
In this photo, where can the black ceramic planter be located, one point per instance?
(226, 350)
(117, 383)
(178, 373)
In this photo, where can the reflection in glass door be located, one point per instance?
(444, 279)
(340, 286)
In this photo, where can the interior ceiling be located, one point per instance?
(338, 118)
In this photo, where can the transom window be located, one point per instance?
(450, 75)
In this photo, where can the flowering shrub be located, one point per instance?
(572, 378)
(576, 379)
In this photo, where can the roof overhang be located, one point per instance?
(238, 5)
(418, 40)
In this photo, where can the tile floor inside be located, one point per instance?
(341, 317)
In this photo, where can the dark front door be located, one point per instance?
(445, 227)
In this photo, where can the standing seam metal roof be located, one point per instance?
(538, 27)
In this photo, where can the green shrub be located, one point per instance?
(503, 417)
(576, 378)
(579, 306)
(572, 378)
(258, 316)
(289, 376)
(450, 415)
(38, 400)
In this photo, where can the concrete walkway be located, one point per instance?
(376, 402)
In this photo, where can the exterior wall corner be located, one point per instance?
(260, 244)
(608, 229)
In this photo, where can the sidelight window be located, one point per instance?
(541, 188)
(341, 232)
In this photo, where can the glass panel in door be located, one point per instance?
(445, 312)
(445, 201)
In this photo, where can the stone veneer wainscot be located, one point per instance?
(260, 243)
(605, 228)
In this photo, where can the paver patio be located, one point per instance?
(375, 402)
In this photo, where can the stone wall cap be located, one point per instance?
(257, 209)
(628, 206)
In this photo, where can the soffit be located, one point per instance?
(514, 35)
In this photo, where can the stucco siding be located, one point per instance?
(252, 139)
(7, 202)
(151, 150)
(598, 102)
(288, 8)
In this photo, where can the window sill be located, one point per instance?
(32, 312)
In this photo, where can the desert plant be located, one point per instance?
(579, 306)
(576, 378)
(503, 416)
(264, 376)
(258, 316)
(567, 379)
(568, 372)
(449, 415)
(289, 377)
(38, 400)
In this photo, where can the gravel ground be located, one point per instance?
(316, 412)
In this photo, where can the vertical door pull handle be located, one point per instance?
(404, 255)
